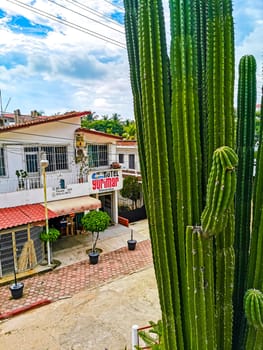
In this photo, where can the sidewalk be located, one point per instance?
(76, 274)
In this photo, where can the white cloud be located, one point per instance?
(251, 26)
(66, 69)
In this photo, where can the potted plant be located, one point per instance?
(16, 288)
(50, 236)
(95, 222)
(115, 165)
(131, 242)
(21, 175)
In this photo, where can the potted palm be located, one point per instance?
(95, 222)
(16, 288)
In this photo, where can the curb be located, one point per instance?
(20, 310)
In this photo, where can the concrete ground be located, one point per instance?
(95, 305)
(71, 249)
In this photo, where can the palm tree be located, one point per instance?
(130, 131)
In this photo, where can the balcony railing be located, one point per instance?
(53, 180)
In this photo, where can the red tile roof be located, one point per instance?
(98, 133)
(127, 143)
(43, 120)
(23, 214)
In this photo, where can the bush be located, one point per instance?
(96, 221)
(51, 236)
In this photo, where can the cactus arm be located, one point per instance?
(217, 220)
(209, 291)
(131, 31)
(170, 132)
(253, 299)
(245, 151)
(253, 304)
(201, 43)
(258, 340)
(255, 248)
(185, 126)
(153, 57)
(222, 183)
(258, 279)
(225, 259)
(220, 75)
(193, 325)
(196, 287)
(200, 286)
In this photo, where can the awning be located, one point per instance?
(74, 205)
(23, 214)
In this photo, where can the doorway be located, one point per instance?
(106, 203)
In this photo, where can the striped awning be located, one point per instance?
(74, 205)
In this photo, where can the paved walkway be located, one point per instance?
(67, 280)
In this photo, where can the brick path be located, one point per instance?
(66, 281)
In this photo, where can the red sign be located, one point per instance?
(109, 182)
(105, 180)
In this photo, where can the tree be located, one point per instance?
(108, 125)
(130, 131)
(131, 189)
(95, 222)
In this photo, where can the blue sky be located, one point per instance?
(52, 67)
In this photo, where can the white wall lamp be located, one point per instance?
(44, 164)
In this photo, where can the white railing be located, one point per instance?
(8, 185)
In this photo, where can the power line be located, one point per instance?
(80, 14)
(119, 7)
(67, 23)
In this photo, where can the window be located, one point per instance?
(121, 158)
(97, 155)
(56, 155)
(2, 162)
(131, 161)
(32, 162)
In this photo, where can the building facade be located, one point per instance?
(128, 158)
(79, 176)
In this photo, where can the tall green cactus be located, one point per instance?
(184, 112)
(154, 117)
(245, 151)
(254, 336)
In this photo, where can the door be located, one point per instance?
(106, 203)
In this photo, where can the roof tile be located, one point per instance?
(23, 214)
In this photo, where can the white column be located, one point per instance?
(135, 338)
(115, 207)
